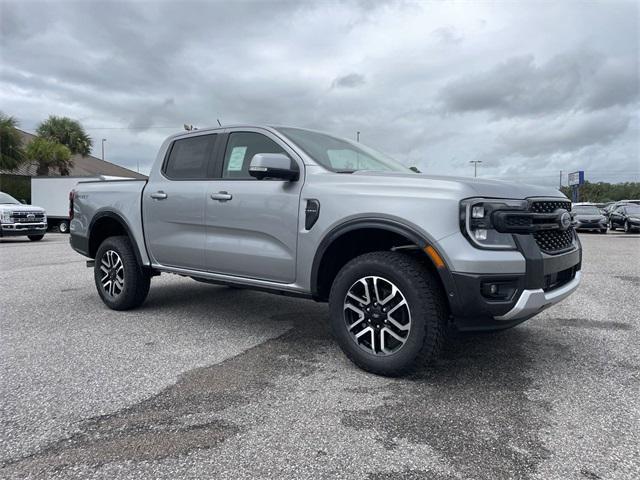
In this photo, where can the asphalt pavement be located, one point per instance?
(205, 381)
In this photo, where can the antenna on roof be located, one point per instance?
(219, 124)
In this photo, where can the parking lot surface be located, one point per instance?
(212, 382)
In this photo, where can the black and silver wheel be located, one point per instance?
(121, 281)
(377, 315)
(387, 313)
(627, 228)
(63, 227)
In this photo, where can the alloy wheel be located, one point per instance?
(112, 271)
(377, 315)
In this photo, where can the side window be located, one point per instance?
(241, 147)
(189, 157)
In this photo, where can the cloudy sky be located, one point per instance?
(527, 88)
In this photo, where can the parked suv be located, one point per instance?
(17, 219)
(401, 257)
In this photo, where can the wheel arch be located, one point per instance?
(107, 224)
(336, 248)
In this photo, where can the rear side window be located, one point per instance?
(241, 148)
(189, 157)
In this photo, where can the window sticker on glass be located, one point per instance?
(236, 160)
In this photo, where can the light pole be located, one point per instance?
(357, 136)
(103, 140)
(475, 166)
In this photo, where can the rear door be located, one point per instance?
(252, 225)
(174, 203)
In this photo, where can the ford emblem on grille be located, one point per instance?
(31, 216)
(564, 219)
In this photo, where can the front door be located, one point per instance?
(252, 225)
(174, 203)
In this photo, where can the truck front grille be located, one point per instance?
(549, 206)
(27, 217)
(552, 241)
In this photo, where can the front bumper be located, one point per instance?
(547, 279)
(591, 225)
(22, 229)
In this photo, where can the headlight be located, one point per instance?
(5, 216)
(476, 223)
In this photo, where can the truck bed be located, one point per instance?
(100, 198)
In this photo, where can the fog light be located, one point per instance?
(502, 290)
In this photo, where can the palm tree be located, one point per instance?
(11, 153)
(68, 132)
(47, 154)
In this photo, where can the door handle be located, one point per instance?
(221, 196)
(160, 195)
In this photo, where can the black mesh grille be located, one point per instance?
(544, 206)
(552, 241)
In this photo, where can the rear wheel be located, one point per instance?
(63, 227)
(387, 313)
(121, 281)
(35, 238)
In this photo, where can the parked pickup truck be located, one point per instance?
(19, 220)
(402, 258)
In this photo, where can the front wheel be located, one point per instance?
(387, 313)
(121, 281)
(35, 238)
(627, 228)
(611, 226)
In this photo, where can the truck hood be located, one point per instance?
(20, 208)
(469, 187)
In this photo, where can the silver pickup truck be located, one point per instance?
(402, 258)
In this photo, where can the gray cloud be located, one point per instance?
(520, 87)
(419, 81)
(352, 80)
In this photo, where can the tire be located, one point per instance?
(127, 284)
(611, 226)
(604, 230)
(425, 313)
(627, 228)
(35, 238)
(63, 227)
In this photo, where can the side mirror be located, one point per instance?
(273, 165)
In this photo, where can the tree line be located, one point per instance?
(602, 192)
(57, 139)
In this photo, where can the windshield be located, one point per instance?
(633, 209)
(339, 154)
(6, 199)
(586, 210)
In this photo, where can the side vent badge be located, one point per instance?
(312, 212)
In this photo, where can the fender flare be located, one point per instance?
(119, 219)
(356, 224)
